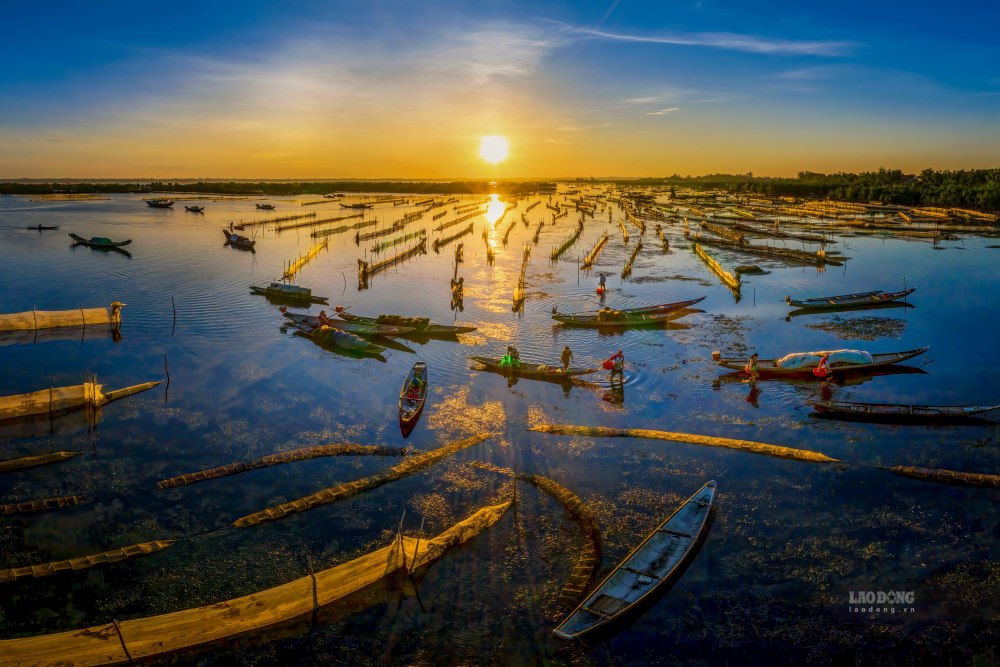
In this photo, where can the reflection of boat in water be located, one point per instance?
(896, 413)
(659, 559)
(849, 300)
(771, 367)
(849, 309)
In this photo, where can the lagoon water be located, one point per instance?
(789, 542)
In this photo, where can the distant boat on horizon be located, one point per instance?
(357, 205)
(160, 203)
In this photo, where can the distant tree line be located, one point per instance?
(974, 188)
(281, 187)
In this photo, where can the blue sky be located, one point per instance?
(327, 89)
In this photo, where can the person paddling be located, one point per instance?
(617, 361)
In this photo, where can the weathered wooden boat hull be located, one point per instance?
(534, 371)
(849, 309)
(429, 330)
(238, 241)
(663, 307)
(849, 300)
(632, 320)
(656, 561)
(766, 367)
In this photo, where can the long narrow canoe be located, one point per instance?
(896, 412)
(429, 329)
(661, 308)
(767, 367)
(650, 565)
(842, 300)
(533, 371)
(412, 399)
(623, 320)
(885, 305)
(100, 242)
(363, 328)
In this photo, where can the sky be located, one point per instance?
(325, 89)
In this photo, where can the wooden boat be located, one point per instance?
(195, 209)
(533, 371)
(411, 400)
(617, 319)
(312, 322)
(842, 300)
(767, 367)
(292, 293)
(99, 242)
(897, 412)
(342, 205)
(660, 557)
(663, 307)
(238, 241)
(266, 207)
(42, 228)
(160, 203)
(422, 326)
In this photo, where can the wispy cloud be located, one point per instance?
(726, 40)
(662, 112)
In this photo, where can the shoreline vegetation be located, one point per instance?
(975, 188)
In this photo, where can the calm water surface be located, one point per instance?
(790, 539)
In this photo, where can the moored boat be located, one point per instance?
(663, 307)
(293, 293)
(344, 340)
(163, 202)
(838, 361)
(412, 397)
(195, 209)
(846, 300)
(312, 322)
(100, 242)
(357, 205)
(649, 566)
(238, 241)
(617, 319)
(899, 412)
(266, 207)
(533, 371)
(422, 326)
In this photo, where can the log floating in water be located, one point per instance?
(84, 562)
(706, 440)
(345, 449)
(215, 624)
(33, 506)
(35, 461)
(333, 494)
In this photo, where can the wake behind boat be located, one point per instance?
(650, 565)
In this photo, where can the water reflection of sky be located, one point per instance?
(240, 389)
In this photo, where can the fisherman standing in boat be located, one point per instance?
(566, 358)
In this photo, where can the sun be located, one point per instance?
(493, 148)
